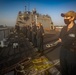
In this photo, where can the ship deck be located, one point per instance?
(10, 57)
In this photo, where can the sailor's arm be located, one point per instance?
(54, 44)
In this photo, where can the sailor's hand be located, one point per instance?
(43, 34)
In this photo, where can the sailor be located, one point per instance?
(68, 44)
(17, 27)
(40, 34)
(34, 31)
(30, 36)
(29, 32)
(24, 29)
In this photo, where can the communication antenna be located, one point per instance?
(28, 6)
(25, 8)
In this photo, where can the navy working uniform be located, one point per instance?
(68, 47)
(17, 27)
(29, 33)
(34, 31)
(24, 30)
(40, 34)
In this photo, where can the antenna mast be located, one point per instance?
(25, 8)
(28, 6)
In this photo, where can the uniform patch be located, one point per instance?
(72, 35)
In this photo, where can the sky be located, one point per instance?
(9, 9)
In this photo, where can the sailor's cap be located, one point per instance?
(69, 14)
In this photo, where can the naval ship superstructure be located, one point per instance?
(25, 18)
(17, 56)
